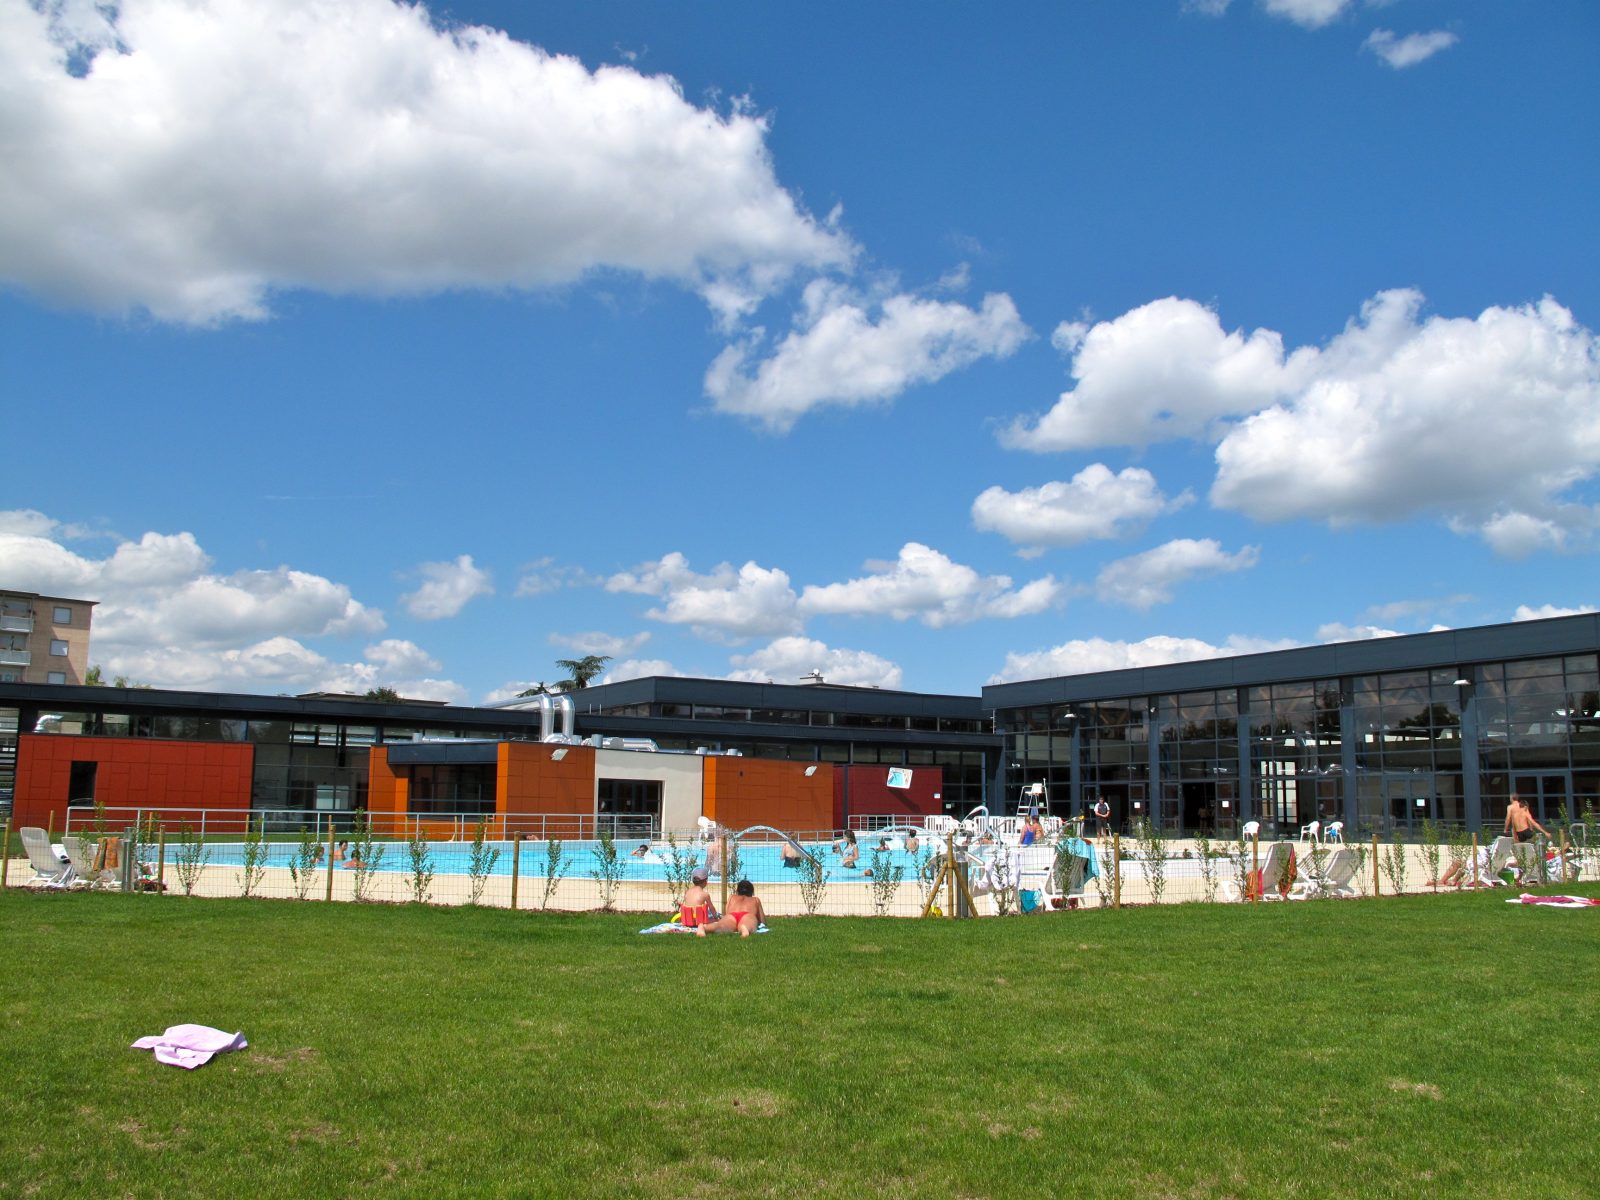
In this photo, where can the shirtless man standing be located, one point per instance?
(1519, 821)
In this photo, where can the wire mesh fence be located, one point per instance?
(578, 862)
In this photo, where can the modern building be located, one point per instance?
(44, 639)
(1378, 734)
(1390, 732)
(153, 750)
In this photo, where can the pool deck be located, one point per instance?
(844, 895)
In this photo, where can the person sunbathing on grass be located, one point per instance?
(744, 916)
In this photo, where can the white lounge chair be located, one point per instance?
(82, 853)
(48, 869)
(1274, 862)
(1336, 879)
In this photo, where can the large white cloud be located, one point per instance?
(1144, 580)
(165, 618)
(1527, 612)
(1085, 656)
(190, 157)
(1166, 369)
(447, 588)
(1093, 504)
(925, 584)
(1487, 422)
(848, 351)
(787, 659)
(727, 605)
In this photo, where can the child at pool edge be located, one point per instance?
(696, 908)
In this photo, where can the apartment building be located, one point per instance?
(43, 639)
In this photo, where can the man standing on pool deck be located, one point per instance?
(1519, 821)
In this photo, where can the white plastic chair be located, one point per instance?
(1251, 829)
(1334, 832)
(1311, 831)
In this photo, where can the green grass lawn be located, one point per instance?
(1428, 1046)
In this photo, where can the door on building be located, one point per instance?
(80, 783)
(1410, 800)
(1200, 807)
(1546, 794)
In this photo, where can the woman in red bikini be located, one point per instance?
(744, 916)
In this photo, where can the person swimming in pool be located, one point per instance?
(641, 850)
(744, 916)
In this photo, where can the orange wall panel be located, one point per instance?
(741, 792)
(160, 777)
(532, 786)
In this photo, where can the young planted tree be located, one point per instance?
(189, 858)
(481, 860)
(419, 863)
(303, 866)
(556, 864)
(254, 860)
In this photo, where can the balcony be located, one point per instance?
(11, 623)
(15, 658)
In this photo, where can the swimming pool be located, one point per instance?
(760, 862)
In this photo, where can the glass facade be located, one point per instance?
(1377, 751)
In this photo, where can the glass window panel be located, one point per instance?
(1534, 668)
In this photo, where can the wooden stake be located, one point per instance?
(5, 856)
(1116, 870)
(1474, 858)
(161, 860)
(327, 893)
(1375, 891)
(724, 863)
(1256, 887)
(516, 869)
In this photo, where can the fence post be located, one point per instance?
(516, 870)
(1376, 892)
(1256, 887)
(1474, 858)
(327, 891)
(723, 860)
(1116, 870)
(1565, 874)
(5, 856)
(161, 860)
(50, 824)
(950, 874)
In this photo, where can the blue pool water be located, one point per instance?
(759, 863)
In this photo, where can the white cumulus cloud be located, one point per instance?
(1528, 613)
(1144, 580)
(1309, 14)
(447, 588)
(1094, 504)
(164, 617)
(728, 605)
(924, 584)
(1085, 656)
(1487, 422)
(594, 642)
(1401, 52)
(786, 659)
(848, 351)
(1166, 369)
(191, 157)
(1335, 631)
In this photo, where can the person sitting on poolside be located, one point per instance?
(744, 916)
(695, 909)
(641, 850)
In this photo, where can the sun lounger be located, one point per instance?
(1337, 877)
(1274, 864)
(48, 869)
(84, 856)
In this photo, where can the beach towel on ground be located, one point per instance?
(190, 1046)
(1557, 901)
(674, 927)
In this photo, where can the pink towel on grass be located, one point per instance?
(190, 1046)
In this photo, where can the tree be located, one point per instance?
(538, 689)
(581, 670)
(383, 695)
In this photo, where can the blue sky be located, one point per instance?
(362, 345)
